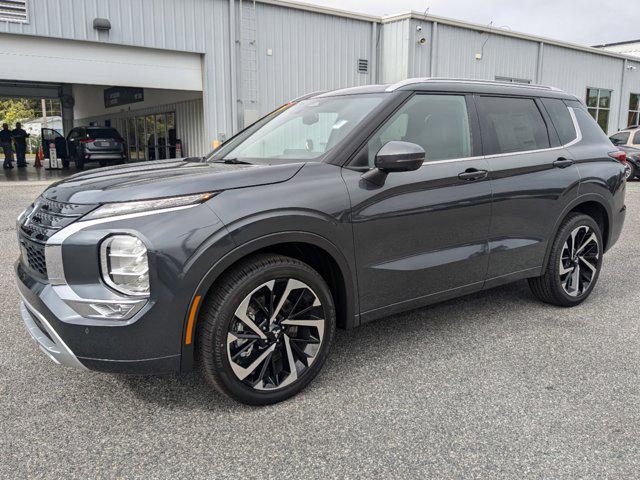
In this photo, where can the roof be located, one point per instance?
(617, 44)
(455, 85)
(446, 21)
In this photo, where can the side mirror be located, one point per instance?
(395, 156)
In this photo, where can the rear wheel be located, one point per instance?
(103, 163)
(631, 172)
(266, 329)
(574, 263)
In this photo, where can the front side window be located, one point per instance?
(561, 119)
(634, 110)
(620, 138)
(512, 125)
(305, 131)
(599, 106)
(438, 123)
(636, 138)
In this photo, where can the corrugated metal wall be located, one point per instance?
(573, 71)
(189, 123)
(457, 48)
(309, 52)
(316, 51)
(394, 56)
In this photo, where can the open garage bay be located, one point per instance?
(490, 385)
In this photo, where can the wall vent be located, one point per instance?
(363, 65)
(14, 11)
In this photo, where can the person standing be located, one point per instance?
(5, 143)
(20, 138)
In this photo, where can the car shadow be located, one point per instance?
(370, 346)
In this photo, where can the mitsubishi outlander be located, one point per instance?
(335, 210)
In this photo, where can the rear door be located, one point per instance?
(423, 234)
(533, 177)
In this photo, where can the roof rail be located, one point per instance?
(413, 81)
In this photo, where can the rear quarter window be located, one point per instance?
(589, 128)
(561, 119)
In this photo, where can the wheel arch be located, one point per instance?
(593, 205)
(315, 250)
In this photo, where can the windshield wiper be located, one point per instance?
(232, 161)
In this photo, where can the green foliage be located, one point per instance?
(14, 110)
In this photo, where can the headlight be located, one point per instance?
(125, 208)
(125, 266)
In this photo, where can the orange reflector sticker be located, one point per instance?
(192, 320)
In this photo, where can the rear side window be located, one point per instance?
(636, 138)
(511, 125)
(103, 133)
(620, 138)
(561, 119)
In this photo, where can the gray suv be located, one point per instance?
(333, 211)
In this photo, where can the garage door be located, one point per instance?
(27, 58)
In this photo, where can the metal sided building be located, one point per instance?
(206, 68)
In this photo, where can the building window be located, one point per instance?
(634, 109)
(599, 105)
(523, 81)
(14, 11)
(150, 137)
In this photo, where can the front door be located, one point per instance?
(423, 234)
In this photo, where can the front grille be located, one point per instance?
(41, 221)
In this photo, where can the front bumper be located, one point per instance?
(88, 345)
(47, 338)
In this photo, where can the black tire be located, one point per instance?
(549, 287)
(633, 172)
(218, 320)
(103, 163)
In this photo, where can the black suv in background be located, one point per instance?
(333, 211)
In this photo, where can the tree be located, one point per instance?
(13, 110)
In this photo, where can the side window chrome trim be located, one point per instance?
(499, 155)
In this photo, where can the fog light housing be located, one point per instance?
(125, 266)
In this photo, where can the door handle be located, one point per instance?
(563, 162)
(472, 174)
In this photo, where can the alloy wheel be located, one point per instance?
(579, 261)
(276, 334)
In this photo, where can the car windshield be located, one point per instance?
(302, 131)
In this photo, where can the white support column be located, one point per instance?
(433, 66)
(539, 63)
(620, 125)
(233, 80)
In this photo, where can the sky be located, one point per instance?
(586, 22)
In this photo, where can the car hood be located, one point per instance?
(164, 178)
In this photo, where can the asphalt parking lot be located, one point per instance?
(493, 385)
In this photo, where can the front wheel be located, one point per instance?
(574, 263)
(266, 329)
